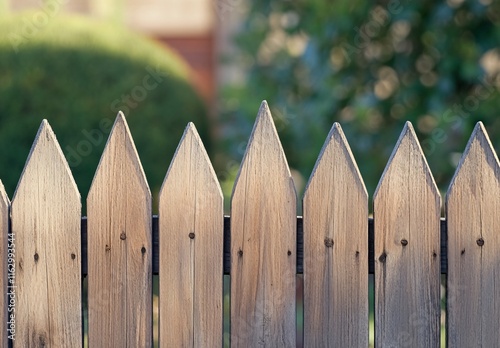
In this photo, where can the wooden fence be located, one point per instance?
(47, 247)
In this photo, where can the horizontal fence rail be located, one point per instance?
(47, 249)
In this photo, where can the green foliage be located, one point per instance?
(371, 66)
(78, 74)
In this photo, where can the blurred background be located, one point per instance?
(368, 65)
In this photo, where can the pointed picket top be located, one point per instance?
(480, 150)
(407, 210)
(263, 243)
(472, 206)
(336, 141)
(264, 138)
(191, 138)
(119, 246)
(335, 222)
(191, 225)
(4, 199)
(45, 218)
(46, 148)
(4, 282)
(408, 141)
(120, 141)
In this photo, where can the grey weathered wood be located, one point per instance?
(191, 241)
(7, 253)
(473, 214)
(119, 247)
(335, 249)
(263, 225)
(46, 213)
(407, 222)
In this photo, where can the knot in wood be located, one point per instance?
(42, 340)
(383, 257)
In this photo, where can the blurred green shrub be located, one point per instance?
(78, 73)
(370, 66)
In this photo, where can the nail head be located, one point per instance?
(328, 242)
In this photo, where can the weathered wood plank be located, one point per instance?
(473, 213)
(191, 223)
(119, 247)
(46, 212)
(263, 241)
(407, 222)
(7, 254)
(335, 249)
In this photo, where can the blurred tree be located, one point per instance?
(371, 66)
(78, 73)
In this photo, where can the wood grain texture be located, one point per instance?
(46, 211)
(473, 213)
(191, 225)
(407, 247)
(263, 243)
(335, 249)
(6, 284)
(119, 247)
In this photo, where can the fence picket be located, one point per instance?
(119, 247)
(335, 249)
(407, 241)
(263, 237)
(472, 210)
(5, 286)
(191, 224)
(46, 212)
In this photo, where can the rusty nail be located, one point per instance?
(191, 235)
(36, 257)
(328, 242)
(123, 236)
(480, 242)
(404, 242)
(73, 256)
